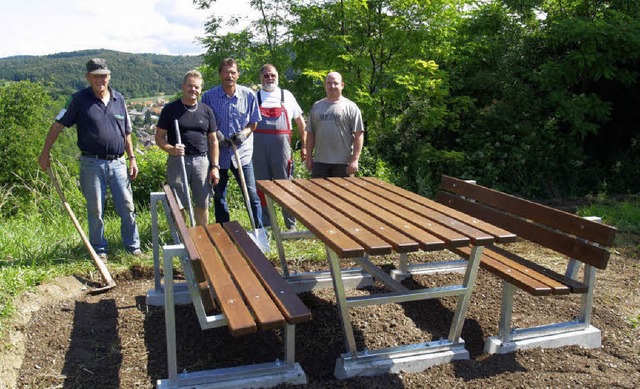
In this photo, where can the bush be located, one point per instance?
(152, 166)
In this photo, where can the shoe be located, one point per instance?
(136, 253)
(103, 257)
(292, 229)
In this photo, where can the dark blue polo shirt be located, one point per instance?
(101, 129)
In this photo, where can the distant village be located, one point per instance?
(144, 117)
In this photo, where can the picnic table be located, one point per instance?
(357, 218)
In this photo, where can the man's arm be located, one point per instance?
(300, 123)
(212, 141)
(44, 160)
(133, 165)
(358, 140)
(163, 143)
(311, 142)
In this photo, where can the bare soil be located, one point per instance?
(65, 338)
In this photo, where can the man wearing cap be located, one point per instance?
(104, 136)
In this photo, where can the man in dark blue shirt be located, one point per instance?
(104, 135)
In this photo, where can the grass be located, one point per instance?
(41, 246)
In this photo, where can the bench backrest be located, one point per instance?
(189, 246)
(538, 223)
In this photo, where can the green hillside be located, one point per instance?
(135, 75)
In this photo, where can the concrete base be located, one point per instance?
(181, 293)
(588, 338)
(251, 376)
(411, 359)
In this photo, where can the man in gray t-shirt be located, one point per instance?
(335, 133)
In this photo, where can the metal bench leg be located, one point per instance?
(587, 298)
(341, 300)
(506, 311)
(463, 300)
(277, 234)
(290, 344)
(170, 312)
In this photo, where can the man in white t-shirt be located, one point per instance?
(335, 133)
(272, 157)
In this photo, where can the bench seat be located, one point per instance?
(580, 240)
(231, 284)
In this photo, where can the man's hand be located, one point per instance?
(238, 138)
(133, 169)
(222, 141)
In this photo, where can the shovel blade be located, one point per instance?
(261, 239)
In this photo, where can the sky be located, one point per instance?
(41, 27)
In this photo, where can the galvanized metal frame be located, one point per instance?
(408, 358)
(255, 375)
(578, 331)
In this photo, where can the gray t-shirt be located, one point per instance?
(333, 124)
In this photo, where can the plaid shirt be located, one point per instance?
(233, 114)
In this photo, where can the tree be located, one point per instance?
(26, 113)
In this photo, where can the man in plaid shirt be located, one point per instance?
(236, 111)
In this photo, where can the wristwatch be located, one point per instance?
(216, 167)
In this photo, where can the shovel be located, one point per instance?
(104, 272)
(185, 183)
(259, 235)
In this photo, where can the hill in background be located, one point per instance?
(134, 75)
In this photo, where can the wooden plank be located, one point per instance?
(565, 244)
(452, 238)
(507, 273)
(327, 232)
(372, 243)
(400, 242)
(426, 240)
(292, 308)
(264, 309)
(417, 204)
(500, 235)
(231, 302)
(554, 218)
(573, 285)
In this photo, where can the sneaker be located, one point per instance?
(136, 253)
(103, 257)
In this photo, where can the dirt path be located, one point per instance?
(73, 340)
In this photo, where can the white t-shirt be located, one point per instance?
(272, 99)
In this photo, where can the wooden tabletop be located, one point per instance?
(357, 215)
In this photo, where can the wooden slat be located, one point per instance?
(500, 235)
(426, 241)
(264, 309)
(478, 237)
(451, 238)
(327, 232)
(527, 280)
(194, 257)
(292, 308)
(400, 242)
(564, 221)
(231, 302)
(373, 244)
(566, 282)
(565, 244)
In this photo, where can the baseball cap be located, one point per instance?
(97, 66)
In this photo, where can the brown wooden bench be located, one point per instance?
(581, 240)
(232, 284)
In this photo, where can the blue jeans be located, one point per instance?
(95, 176)
(221, 209)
